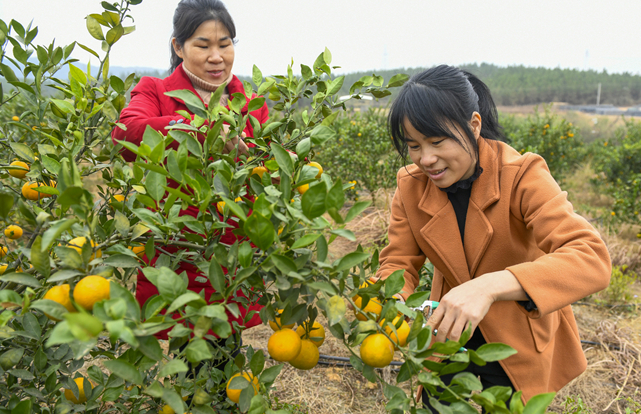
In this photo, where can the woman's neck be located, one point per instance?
(205, 89)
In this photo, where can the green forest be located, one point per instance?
(520, 85)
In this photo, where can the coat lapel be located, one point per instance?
(485, 192)
(441, 234)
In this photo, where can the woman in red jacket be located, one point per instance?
(202, 58)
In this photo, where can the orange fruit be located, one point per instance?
(166, 409)
(302, 189)
(3, 268)
(274, 325)
(308, 356)
(77, 244)
(138, 250)
(3, 251)
(373, 306)
(29, 192)
(61, 295)
(15, 118)
(90, 290)
(317, 165)
(118, 197)
(317, 331)
(403, 331)
(284, 345)
(18, 173)
(259, 170)
(221, 204)
(13, 232)
(377, 351)
(81, 394)
(234, 394)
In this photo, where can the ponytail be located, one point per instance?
(490, 128)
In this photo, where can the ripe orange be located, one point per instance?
(373, 306)
(91, 289)
(18, 173)
(317, 331)
(15, 118)
(118, 197)
(81, 394)
(259, 170)
(77, 244)
(138, 250)
(308, 356)
(166, 409)
(13, 232)
(61, 295)
(403, 331)
(317, 165)
(303, 189)
(29, 193)
(3, 268)
(221, 204)
(274, 325)
(284, 345)
(3, 251)
(377, 351)
(233, 393)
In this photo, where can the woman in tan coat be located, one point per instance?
(509, 253)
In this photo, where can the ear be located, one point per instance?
(177, 48)
(475, 124)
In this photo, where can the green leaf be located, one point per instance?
(256, 104)
(260, 231)
(313, 201)
(350, 260)
(155, 185)
(133, 308)
(21, 279)
(114, 34)
(356, 209)
(283, 263)
(235, 208)
(184, 299)
(150, 347)
(417, 299)
(348, 234)
(282, 158)
(197, 350)
(335, 196)
(51, 235)
(321, 134)
(173, 366)
(397, 80)
(270, 374)
(124, 370)
(170, 285)
(193, 102)
(77, 74)
(94, 28)
(50, 307)
(336, 86)
(539, 403)
(495, 351)
(394, 283)
(40, 258)
(305, 241)
(122, 260)
(336, 309)
(6, 204)
(257, 76)
(23, 151)
(23, 407)
(216, 275)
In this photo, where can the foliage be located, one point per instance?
(167, 202)
(521, 85)
(619, 290)
(548, 135)
(617, 164)
(362, 152)
(576, 405)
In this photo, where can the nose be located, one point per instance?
(215, 56)
(428, 158)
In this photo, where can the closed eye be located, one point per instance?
(437, 142)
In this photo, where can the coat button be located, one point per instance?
(172, 122)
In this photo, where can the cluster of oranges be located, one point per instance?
(20, 170)
(376, 349)
(303, 188)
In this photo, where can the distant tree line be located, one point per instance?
(520, 85)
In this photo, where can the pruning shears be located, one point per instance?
(427, 309)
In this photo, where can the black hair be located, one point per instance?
(189, 15)
(441, 97)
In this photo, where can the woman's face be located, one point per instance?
(208, 53)
(442, 159)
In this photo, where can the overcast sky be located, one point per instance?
(373, 34)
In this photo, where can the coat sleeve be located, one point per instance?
(144, 109)
(403, 251)
(575, 262)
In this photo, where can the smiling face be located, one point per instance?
(208, 53)
(442, 159)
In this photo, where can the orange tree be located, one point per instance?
(72, 336)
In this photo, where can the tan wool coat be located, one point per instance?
(518, 219)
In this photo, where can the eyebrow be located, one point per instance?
(205, 39)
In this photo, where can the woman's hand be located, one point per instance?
(467, 304)
(230, 144)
